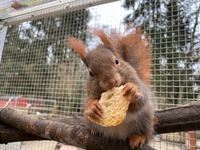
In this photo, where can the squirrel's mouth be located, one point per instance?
(116, 81)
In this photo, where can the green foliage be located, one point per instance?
(172, 26)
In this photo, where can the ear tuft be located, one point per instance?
(78, 46)
(104, 38)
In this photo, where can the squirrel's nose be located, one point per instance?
(114, 82)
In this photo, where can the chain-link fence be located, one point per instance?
(45, 78)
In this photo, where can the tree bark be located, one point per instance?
(182, 118)
(72, 130)
(10, 134)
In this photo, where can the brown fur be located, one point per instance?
(137, 51)
(120, 60)
(78, 46)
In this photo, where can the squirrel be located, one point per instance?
(120, 60)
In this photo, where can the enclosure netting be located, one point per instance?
(45, 78)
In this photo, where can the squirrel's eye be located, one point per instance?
(117, 61)
(91, 74)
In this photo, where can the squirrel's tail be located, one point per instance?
(135, 48)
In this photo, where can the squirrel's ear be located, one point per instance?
(104, 38)
(78, 46)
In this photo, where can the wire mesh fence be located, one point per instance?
(43, 77)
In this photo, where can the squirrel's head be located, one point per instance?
(102, 62)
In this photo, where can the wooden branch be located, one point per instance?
(71, 130)
(10, 134)
(183, 118)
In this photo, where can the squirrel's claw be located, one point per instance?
(94, 110)
(94, 131)
(137, 141)
(132, 91)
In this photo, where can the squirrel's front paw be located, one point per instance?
(132, 91)
(93, 109)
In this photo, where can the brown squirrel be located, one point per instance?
(120, 60)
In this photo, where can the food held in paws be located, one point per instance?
(114, 105)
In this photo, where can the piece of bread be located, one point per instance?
(114, 106)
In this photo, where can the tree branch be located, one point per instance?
(10, 134)
(183, 118)
(72, 131)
